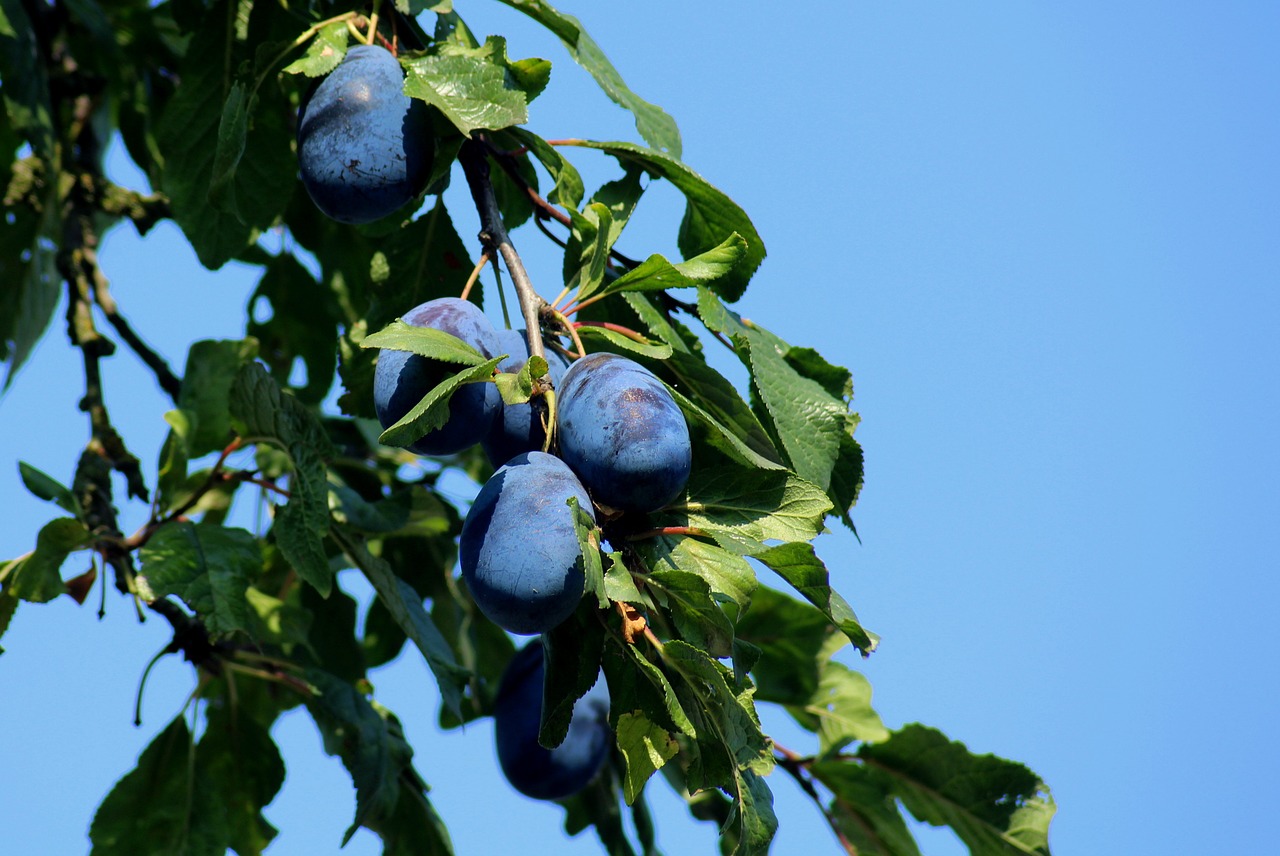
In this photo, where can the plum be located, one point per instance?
(516, 430)
(547, 774)
(519, 550)
(401, 379)
(622, 433)
(364, 147)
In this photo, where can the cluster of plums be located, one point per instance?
(623, 444)
(364, 147)
(533, 770)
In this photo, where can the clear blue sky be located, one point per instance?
(1046, 240)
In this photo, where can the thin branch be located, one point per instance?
(493, 234)
(796, 767)
(475, 274)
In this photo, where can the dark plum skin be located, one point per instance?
(623, 433)
(402, 379)
(515, 430)
(547, 774)
(519, 551)
(364, 147)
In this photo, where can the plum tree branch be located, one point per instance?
(493, 234)
(795, 766)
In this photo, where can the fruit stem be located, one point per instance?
(373, 29)
(617, 328)
(475, 274)
(570, 329)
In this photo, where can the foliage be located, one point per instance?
(204, 94)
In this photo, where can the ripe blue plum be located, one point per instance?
(547, 774)
(516, 430)
(364, 147)
(623, 433)
(519, 550)
(402, 379)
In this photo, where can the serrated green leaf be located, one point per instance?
(8, 606)
(589, 543)
(517, 387)
(476, 88)
(208, 566)
(800, 566)
(754, 816)
(206, 389)
(324, 54)
(809, 422)
(697, 618)
(425, 342)
(48, 488)
(996, 807)
(33, 285)
(618, 583)
(265, 413)
(710, 217)
(433, 410)
(645, 749)
(737, 725)
(163, 805)
(586, 257)
(656, 273)
(637, 684)
(34, 577)
(743, 508)
(383, 516)
(716, 434)
(655, 126)
(726, 574)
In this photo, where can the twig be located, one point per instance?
(493, 234)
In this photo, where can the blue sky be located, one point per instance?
(1045, 239)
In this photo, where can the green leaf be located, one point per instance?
(243, 768)
(707, 427)
(737, 725)
(303, 325)
(842, 708)
(865, 810)
(476, 88)
(742, 508)
(324, 54)
(206, 390)
(800, 566)
(656, 273)
(996, 807)
(34, 577)
(189, 131)
(569, 189)
(208, 566)
(645, 749)
(808, 420)
(710, 217)
(163, 805)
(232, 132)
(33, 285)
(265, 413)
(433, 410)
(753, 815)
(571, 667)
(174, 454)
(698, 619)
(794, 640)
(48, 488)
(589, 544)
(655, 126)
(425, 342)
(405, 606)
(618, 583)
(8, 606)
(26, 80)
(517, 387)
(727, 575)
(620, 342)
